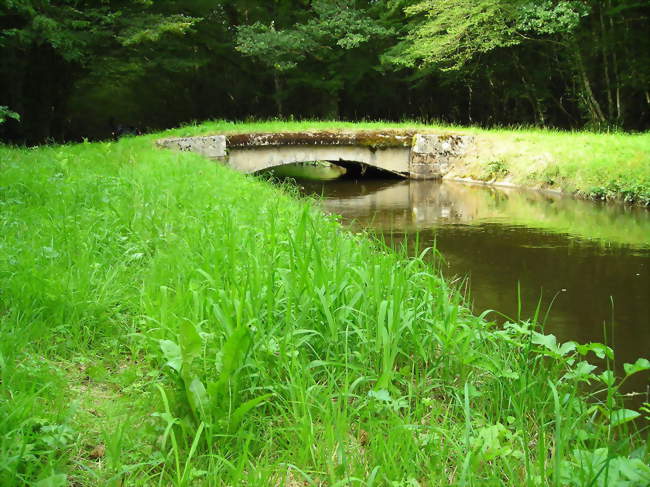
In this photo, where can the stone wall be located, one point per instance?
(432, 155)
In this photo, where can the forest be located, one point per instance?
(91, 69)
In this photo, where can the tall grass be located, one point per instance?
(165, 321)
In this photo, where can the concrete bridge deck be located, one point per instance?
(406, 154)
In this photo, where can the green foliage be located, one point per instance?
(70, 67)
(218, 406)
(333, 28)
(549, 17)
(598, 468)
(153, 27)
(281, 50)
(334, 25)
(495, 170)
(450, 33)
(5, 113)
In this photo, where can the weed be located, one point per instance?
(495, 170)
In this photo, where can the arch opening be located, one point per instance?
(312, 170)
(328, 170)
(359, 170)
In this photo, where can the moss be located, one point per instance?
(446, 137)
(384, 140)
(372, 139)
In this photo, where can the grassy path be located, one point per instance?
(165, 321)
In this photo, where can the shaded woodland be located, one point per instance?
(73, 69)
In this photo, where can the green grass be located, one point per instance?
(165, 321)
(592, 165)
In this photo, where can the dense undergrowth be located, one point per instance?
(165, 321)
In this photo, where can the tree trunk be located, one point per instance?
(617, 77)
(595, 111)
(469, 103)
(604, 41)
(277, 83)
(538, 111)
(332, 104)
(13, 67)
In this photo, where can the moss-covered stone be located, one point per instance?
(372, 139)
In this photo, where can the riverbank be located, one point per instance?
(598, 166)
(595, 166)
(168, 321)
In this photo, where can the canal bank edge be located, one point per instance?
(597, 167)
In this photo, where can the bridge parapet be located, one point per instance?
(407, 154)
(212, 146)
(432, 155)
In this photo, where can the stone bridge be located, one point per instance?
(406, 154)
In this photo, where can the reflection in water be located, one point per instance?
(590, 261)
(317, 171)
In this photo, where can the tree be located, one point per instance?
(67, 66)
(583, 38)
(334, 28)
(48, 45)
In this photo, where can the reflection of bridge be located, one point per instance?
(412, 205)
(407, 154)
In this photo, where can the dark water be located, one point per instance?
(588, 263)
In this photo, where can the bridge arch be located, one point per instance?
(391, 160)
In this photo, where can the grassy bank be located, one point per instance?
(596, 166)
(165, 321)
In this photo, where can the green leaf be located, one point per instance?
(234, 351)
(56, 480)
(381, 395)
(582, 372)
(638, 366)
(197, 396)
(633, 470)
(172, 353)
(607, 378)
(507, 373)
(601, 351)
(5, 113)
(237, 417)
(190, 341)
(567, 348)
(548, 341)
(233, 354)
(621, 416)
